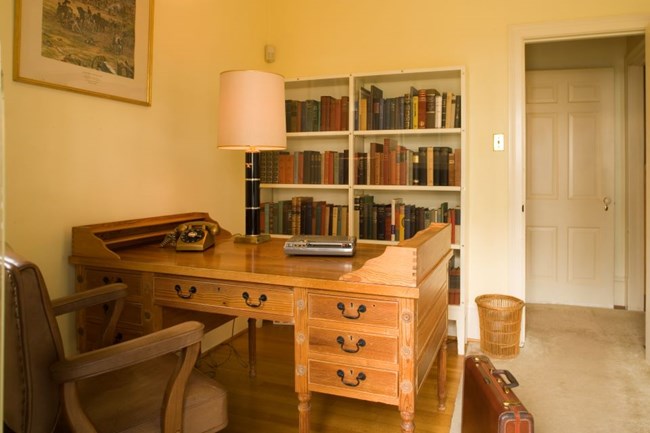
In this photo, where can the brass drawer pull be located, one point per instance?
(361, 343)
(179, 292)
(261, 300)
(109, 280)
(361, 309)
(360, 377)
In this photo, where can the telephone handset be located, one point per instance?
(192, 236)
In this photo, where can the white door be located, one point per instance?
(570, 187)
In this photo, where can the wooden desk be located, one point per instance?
(368, 327)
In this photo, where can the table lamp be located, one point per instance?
(252, 118)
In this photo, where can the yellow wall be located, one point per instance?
(74, 159)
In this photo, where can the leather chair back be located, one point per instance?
(32, 400)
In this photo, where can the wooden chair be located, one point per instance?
(148, 384)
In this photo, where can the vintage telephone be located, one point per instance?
(192, 236)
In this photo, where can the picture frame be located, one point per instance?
(93, 47)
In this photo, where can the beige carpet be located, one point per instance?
(581, 370)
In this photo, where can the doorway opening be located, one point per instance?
(583, 216)
(522, 38)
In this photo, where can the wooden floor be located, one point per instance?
(268, 403)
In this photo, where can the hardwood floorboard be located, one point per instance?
(268, 403)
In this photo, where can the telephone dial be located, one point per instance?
(192, 236)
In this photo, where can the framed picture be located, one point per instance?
(96, 47)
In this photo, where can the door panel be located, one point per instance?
(542, 176)
(570, 160)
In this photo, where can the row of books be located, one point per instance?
(386, 163)
(304, 167)
(396, 221)
(302, 215)
(454, 285)
(415, 109)
(389, 163)
(327, 114)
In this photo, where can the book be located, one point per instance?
(456, 225)
(422, 108)
(412, 98)
(283, 212)
(457, 167)
(345, 113)
(430, 112)
(438, 116)
(430, 166)
(343, 228)
(364, 108)
(451, 171)
(443, 165)
(298, 206)
(361, 168)
(443, 114)
(457, 112)
(422, 165)
(379, 229)
(415, 168)
(395, 218)
(400, 218)
(356, 212)
(451, 110)
(414, 110)
(291, 114)
(376, 99)
(311, 116)
(335, 115)
(454, 284)
(390, 161)
(326, 103)
(344, 172)
(376, 165)
(334, 220)
(366, 203)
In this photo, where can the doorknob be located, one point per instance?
(607, 201)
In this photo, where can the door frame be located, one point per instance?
(518, 38)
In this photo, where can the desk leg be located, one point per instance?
(304, 407)
(442, 376)
(408, 426)
(252, 357)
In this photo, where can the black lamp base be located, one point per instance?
(252, 239)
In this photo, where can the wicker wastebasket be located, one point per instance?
(500, 324)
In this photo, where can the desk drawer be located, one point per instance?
(100, 277)
(226, 297)
(353, 345)
(91, 334)
(90, 320)
(353, 381)
(131, 315)
(348, 309)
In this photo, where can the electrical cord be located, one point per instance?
(211, 358)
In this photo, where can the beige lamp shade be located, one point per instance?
(251, 111)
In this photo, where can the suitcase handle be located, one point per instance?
(512, 381)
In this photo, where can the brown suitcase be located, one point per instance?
(489, 404)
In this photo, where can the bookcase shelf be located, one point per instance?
(334, 123)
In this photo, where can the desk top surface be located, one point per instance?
(134, 245)
(258, 263)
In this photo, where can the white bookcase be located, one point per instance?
(385, 181)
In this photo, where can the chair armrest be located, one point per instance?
(87, 298)
(128, 353)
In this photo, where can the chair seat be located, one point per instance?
(136, 394)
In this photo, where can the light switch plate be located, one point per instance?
(499, 142)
